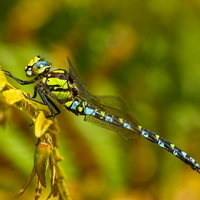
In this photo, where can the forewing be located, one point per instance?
(100, 104)
(111, 105)
(80, 86)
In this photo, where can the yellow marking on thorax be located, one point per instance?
(61, 95)
(44, 79)
(55, 81)
(58, 71)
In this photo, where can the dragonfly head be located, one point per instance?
(37, 66)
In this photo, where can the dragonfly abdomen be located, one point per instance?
(81, 107)
(155, 138)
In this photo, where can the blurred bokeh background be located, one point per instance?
(147, 53)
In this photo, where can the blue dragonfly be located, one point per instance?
(58, 85)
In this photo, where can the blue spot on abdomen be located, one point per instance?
(88, 110)
(74, 105)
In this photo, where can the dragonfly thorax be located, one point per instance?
(37, 66)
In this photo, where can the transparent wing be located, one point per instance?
(80, 86)
(112, 105)
(105, 104)
(107, 100)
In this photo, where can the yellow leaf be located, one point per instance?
(13, 95)
(3, 80)
(42, 124)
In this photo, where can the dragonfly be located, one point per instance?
(56, 85)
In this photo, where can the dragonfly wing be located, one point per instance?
(114, 106)
(107, 100)
(125, 133)
(110, 101)
(80, 86)
(111, 105)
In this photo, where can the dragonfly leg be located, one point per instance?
(45, 101)
(7, 73)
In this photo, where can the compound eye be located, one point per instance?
(41, 64)
(40, 67)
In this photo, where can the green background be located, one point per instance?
(146, 52)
